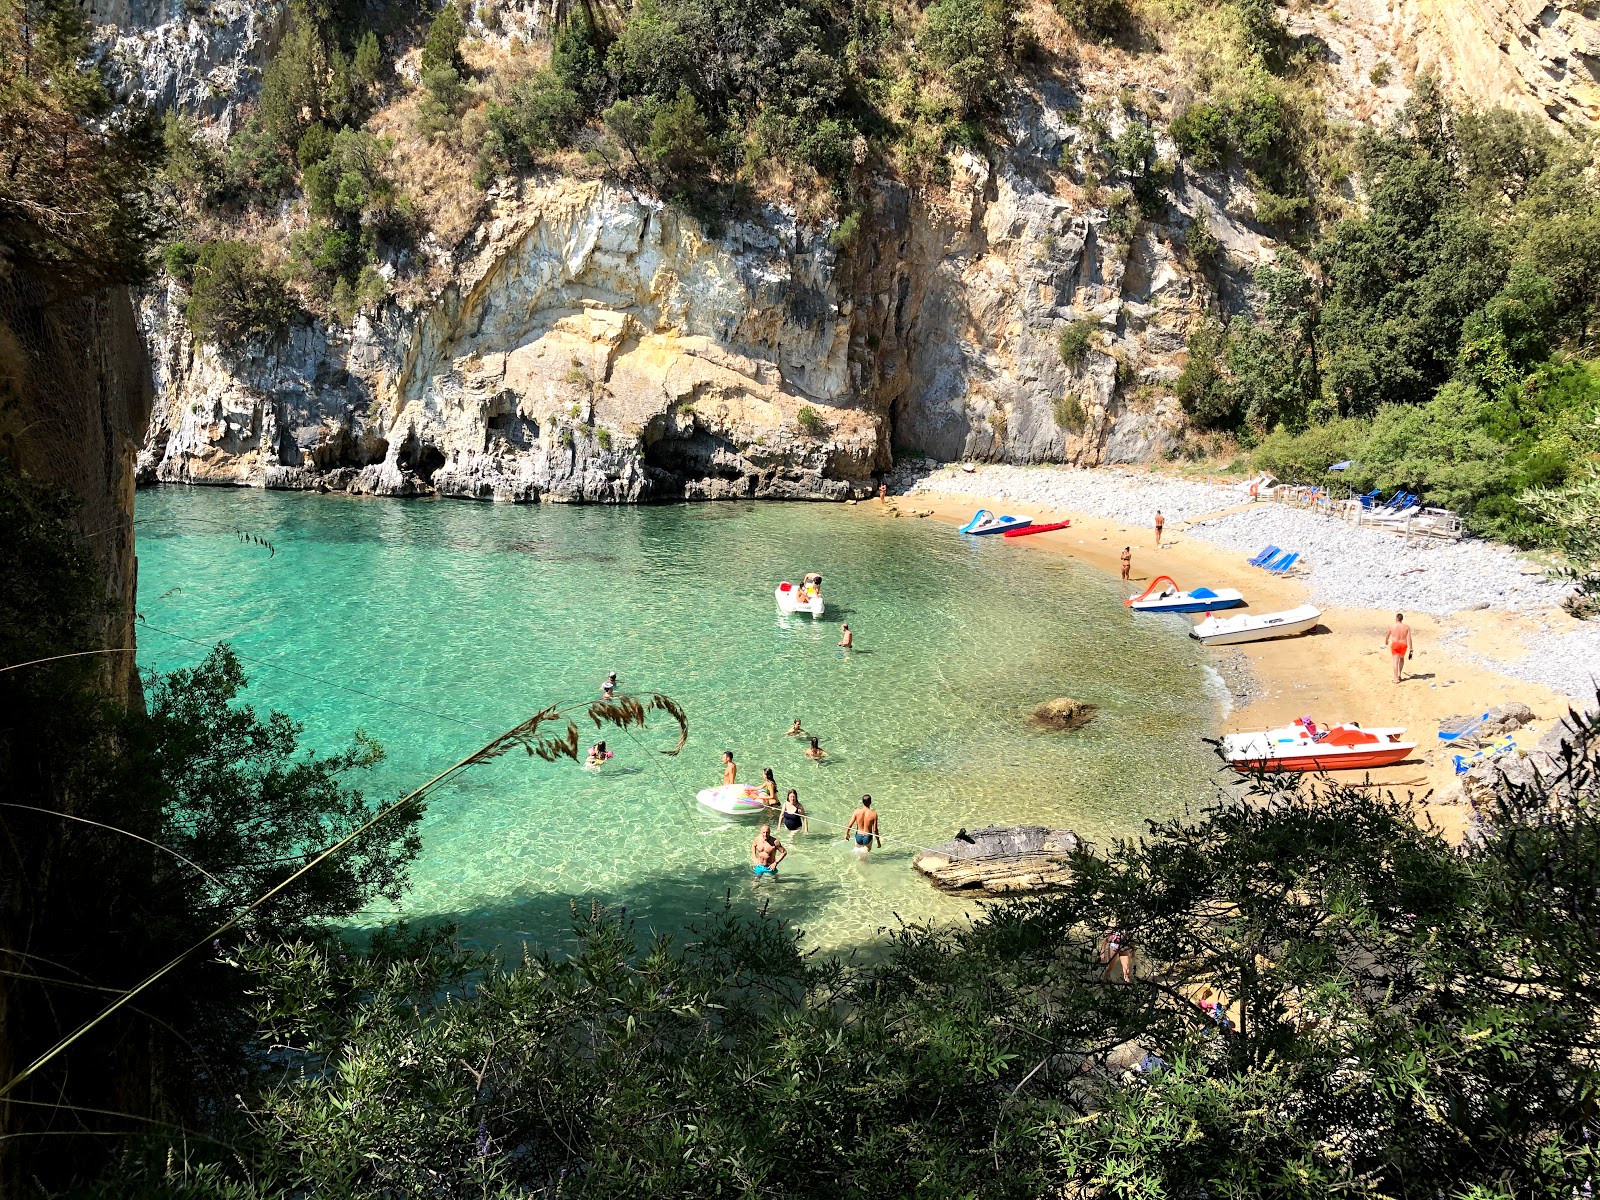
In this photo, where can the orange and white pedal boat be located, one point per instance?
(1301, 746)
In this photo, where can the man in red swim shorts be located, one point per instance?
(1398, 639)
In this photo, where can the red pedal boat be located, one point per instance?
(1035, 529)
(1301, 747)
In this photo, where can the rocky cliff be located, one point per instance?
(598, 346)
(594, 345)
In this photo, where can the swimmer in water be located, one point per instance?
(609, 687)
(597, 755)
(815, 751)
(766, 852)
(863, 827)
(769, 788)
(848, 640)
(795, 730)
(730, 771)
(793, 818)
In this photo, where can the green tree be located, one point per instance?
(233, 297)
(443, 45)
(1203, 386)
(972, 42)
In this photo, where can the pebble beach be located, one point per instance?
(1341, 565)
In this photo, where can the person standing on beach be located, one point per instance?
(767, 852)
(1127, 560)
(730, 772)
(1400, 642)
(864, 827)
(848, 640)
(1160, 521)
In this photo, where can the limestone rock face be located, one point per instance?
(597, 347)
(205, 59)
(1001, 859)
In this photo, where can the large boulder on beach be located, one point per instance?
(1503, 718)
(1064, 713)
(1000, 859)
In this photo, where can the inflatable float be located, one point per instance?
(805, 597)
(734, 799)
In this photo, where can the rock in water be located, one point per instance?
(1000, 859)
(1064, 713)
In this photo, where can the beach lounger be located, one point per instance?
(1370, 499)
(1467, 730)
(1271, 564)
(1264, 556)
(1281, 567)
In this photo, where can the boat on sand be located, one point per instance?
(1301, 746)
(804, 597)
(734, 799)
(1256, 627)
(1024, 532)
(983, 521)
(1163, 596)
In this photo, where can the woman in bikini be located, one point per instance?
(815, 752)
(769, 788)
(793, 818)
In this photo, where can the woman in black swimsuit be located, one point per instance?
(793, 817)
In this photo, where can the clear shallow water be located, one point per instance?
(485, 614)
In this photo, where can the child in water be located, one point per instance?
(597, 755)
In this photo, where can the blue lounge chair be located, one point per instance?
(1262, 557)
(1370, 499)
(1272, 564)
(1281, 567)
(1394, 500)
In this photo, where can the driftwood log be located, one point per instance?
(1000, 859)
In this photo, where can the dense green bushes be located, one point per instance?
(1398, 1018)
(233, 298)
(1446, 324)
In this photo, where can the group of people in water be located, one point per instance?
(766, 851)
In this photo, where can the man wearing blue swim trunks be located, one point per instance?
(864, 827)
(768, 852)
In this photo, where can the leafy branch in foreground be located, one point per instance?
(1331, 1000)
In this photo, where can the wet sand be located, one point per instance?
(1341, 672)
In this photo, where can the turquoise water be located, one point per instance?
(481, 615)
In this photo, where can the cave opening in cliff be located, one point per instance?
(422, 460)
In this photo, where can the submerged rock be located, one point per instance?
(1064, 713)
(1000, 859)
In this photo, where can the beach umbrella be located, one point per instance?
(1342, 466)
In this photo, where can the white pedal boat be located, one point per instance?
(734, 799)
(803, 597)
(1299, 747)
(1256, 627)
(1169, 599)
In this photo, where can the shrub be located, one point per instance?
(234, 298)
(540, 115)
(1205, 251)
(810, 421)
(443, 47)
(603, 437)
(1306, 456)
(1122, 216)
(1069, 413)
(1103, 20)
(1076, 340)
(1201, 133)
(848, 229)
(1380, 73)
(971, 43)
(1203, 386)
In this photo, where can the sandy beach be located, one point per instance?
(1341, 671)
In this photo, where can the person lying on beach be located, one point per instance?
(730, 772)
(769, 788)
(597, 754)
(848, 640)
(863, 827)
(795, 730)
(793, 817)
(814, 751)
(767, 852)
